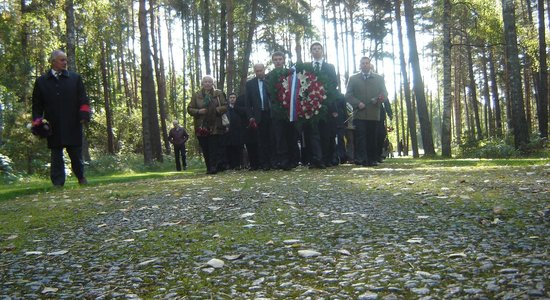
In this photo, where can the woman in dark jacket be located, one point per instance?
(207, 107)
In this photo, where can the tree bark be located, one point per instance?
(230, 47)
(418, 84)
(406, 89)
(495, 94)
(158, 63)
(107, 101)
(223, 45)
(150, 132)
(205, 35)
(473, 90)
(542, 99)
(248, 43)
(519, 124)
(446, 135)
(489, 118)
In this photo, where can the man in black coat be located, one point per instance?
(59, 96)
(258, 108)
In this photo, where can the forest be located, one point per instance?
(142, 60)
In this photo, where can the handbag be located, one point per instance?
(225, 120)
(225, 117)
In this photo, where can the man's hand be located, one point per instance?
(203, 111)
(361, 105)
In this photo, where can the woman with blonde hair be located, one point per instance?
(207, 107)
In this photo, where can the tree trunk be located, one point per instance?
(248, 43)
(456, 102)
(336, 38)
(519, 124)
(196, 50)
(107, 101)
(406, 89)
(473, 90)
(223, 45)
(489, 118)
(205, 35)
(542, 99)
(446, 135)
(160, 76)
(230, 47)
(149, 118)
(70, 35)
(172, 85)
(494, 94)
(418, 84)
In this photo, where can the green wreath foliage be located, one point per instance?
(275, 80)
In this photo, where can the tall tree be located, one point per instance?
(495, 93)
(446, 135)
(248, 44)
(160, 76)
(542, 99)
(410, 112)
(230, 46)
(205, 14)
(472, 89)
(150, 132)
(418, 84)
(107, 101)
(223, 45)
(518, 121)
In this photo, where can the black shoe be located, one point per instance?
(317, 166)
(82, 181)
(372, 164)
(213, 171)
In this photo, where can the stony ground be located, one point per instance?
(390, 232)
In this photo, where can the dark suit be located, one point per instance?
(321, 139)
(253, 102)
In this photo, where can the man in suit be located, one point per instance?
(258, 108)
(365, 92)
(59, 96)
(321, 137)
(286, 154)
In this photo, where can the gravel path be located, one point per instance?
(341, 233)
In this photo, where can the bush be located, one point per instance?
(6, 170)
(502, 148)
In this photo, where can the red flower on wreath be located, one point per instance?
(311, 93)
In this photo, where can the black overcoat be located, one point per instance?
(59, 101)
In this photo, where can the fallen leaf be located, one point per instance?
(60, 252)
(246, 215)
(233, 257)
(308, 253)
(215, 263)
(344, 252)
(457, 255)
(49, 290)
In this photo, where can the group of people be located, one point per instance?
(353, 129)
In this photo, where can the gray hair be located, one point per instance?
(55, 54)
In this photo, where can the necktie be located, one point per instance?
(58, 74)
(261, 85)
(317, 66)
